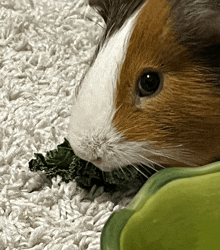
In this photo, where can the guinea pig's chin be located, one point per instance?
(104, 167)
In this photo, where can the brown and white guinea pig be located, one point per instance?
(152, 93)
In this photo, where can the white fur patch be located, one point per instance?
(91, 134)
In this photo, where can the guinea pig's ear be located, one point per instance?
(209, 45)
(209, 34)
(102, 7)
(197, 23)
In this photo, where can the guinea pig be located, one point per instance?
(151, 95)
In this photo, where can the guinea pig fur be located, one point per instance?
(152, 93)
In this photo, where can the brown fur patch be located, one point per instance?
(185, 116)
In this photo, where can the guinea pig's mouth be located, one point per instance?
(103, 164)
(99, 164)
(118, 156)
(102, 167)
(145, 170)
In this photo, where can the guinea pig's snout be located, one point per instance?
(93, 151)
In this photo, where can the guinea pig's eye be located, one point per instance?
(148, 83)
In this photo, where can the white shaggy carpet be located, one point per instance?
(45, 46)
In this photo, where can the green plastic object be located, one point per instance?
(177, 208)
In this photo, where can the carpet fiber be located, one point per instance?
(45, 47)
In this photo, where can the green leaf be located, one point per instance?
(63, 162)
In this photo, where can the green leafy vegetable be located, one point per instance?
(65, 163)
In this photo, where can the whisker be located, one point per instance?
(121, 168)
(129, 163)
(147, 159)
(174, 158)
(139, 170)
(97, 23)
(168, 156)
(136, 167)
(146, 167)
(85, 16)
(150, 161)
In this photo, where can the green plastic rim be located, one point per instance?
(177, 208)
